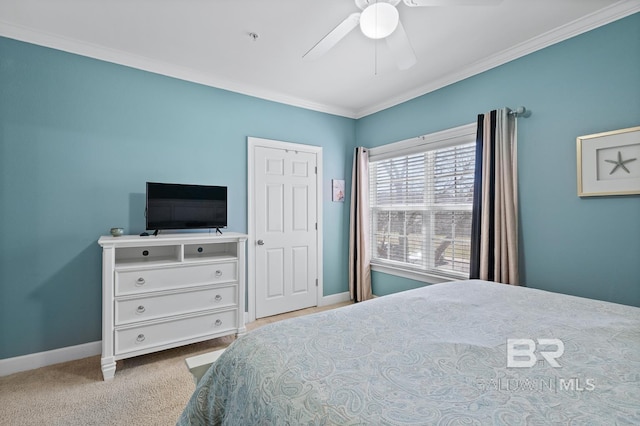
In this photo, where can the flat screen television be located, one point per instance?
(178, 206)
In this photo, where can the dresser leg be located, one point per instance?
(108, 368)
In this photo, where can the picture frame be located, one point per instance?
(609, 163)
(337, 194)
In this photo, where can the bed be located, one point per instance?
(434, 355)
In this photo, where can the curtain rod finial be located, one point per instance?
(519, 111)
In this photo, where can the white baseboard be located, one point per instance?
(332, 299)
(43, 359)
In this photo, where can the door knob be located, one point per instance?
(260, 242)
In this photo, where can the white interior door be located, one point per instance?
(285, 234)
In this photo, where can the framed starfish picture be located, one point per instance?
(609, 163)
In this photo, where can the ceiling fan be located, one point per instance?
(380, 19)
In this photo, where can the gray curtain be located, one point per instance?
(359, 246)
(494, 228)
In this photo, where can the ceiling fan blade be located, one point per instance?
(331, 39)
(401, 49)
(418, 3)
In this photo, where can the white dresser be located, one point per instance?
(159, 292)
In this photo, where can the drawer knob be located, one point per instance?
(218, 273)
(140, 281)
(140, 309)
(140, 338)
(218, 298)
(218, 322)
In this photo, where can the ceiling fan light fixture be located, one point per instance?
(379, 20)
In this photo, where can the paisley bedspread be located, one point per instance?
(437, 355)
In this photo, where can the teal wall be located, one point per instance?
(80, 137)
(78, 140)
(588, 84)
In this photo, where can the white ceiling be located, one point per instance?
(208, 42)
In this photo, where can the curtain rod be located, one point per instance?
(520, 111)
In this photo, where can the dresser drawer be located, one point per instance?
(145, 280)
(152, 307)
(172, 332)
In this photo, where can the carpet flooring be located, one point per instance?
(147, 390)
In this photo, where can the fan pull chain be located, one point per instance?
(375, 58)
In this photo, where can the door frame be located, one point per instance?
(252, 143)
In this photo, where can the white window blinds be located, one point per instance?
(421, 206)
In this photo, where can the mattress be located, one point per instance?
(458, 353)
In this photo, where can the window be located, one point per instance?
(421, 195)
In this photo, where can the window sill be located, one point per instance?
(415, 275)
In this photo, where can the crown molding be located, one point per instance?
(602, 17)
(70, 45)
(589, 22)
